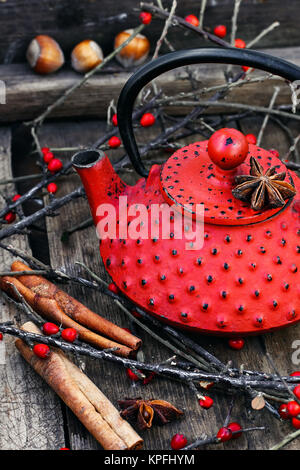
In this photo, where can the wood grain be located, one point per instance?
(83, 246)
(31, 415)
(28, 94)
(71, 21)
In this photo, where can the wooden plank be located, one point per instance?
(83, 246)
(31, 416)
(71, 21)
(28, 94)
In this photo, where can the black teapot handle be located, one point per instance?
(151, 70)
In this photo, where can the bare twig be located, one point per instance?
(181, 22)
(236, 9)
(267, 116)
(201, 13)
(286, 440)
(231, 105)
(165, 30)
(47, 210)
(263, 33)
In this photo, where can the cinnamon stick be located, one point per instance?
(55, 305)
(74, 309)
(81, 395)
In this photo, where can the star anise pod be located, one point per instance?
(146, 412)
(263, 189)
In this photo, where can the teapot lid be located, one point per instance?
(190, 177)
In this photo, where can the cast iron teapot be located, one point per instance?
(245, 278)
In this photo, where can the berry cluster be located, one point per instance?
(49, 329)
(53, 164)
(231, 431)
(147, 120)
(10, 216)
(291, 410)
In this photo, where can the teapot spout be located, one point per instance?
(101, 183)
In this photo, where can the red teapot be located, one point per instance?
(244, 279)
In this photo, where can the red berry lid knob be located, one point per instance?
(227, 148)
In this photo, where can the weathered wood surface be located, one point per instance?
(27, 94)
(83, 246)
(71, 21)
(30, 414)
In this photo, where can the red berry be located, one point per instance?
(10, 217)
(113, 288)
(50, 328)
(45, 150)
(227, 148)
(206, 402)
(192, 19)
(236, 343)
(293, 408)
(69, 334)
(178, 441)
(131, 375)
(136, 314)
(52, 188)
(114, 142)
(251, 139)
(240, 43)
(145, 17)
(283, 411)
(126, 329)
(147, 120)
(16, 197)
(224, 434)
(48, 157)
(234, 427)
(220, 31)
(296, 423)
(1, 336)
(41, 350)
(297, 391)
(149, 378)
(55, 165)
(114, 120)
(276, 154)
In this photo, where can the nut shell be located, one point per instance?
(44, 55)
(86, 55)
(136, 52)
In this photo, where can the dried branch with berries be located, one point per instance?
(61, 324)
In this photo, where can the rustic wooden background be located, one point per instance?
(32, 417)
(71, 21)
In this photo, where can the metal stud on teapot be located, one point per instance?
(244, 279)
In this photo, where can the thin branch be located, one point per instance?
(236, 9)
(181, 22)
(158, 338)
(263, 33)
(267, 116)
(165, 30)
(286, 440)
(47, 210)
(216, 440)
(232, 105)
(201, 13)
